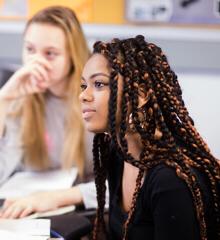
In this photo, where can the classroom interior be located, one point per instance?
(188, 31)
(190, 39)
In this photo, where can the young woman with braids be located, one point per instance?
(163, 180)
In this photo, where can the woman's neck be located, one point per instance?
(134, 144)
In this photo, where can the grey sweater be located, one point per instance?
(11, 152)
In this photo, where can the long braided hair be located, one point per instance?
(167, 131)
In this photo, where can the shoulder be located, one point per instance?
(168, 200)
(165, 190)
(162, 181)
(163, 176)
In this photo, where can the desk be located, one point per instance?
(71, 226)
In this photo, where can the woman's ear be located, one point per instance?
(143, 96)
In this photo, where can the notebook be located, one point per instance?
(25, 229)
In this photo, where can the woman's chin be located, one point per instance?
(94, 129)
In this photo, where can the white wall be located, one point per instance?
(186, 48)
(201, 92)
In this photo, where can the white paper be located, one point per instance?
(29, 227)
(7, 235)
(24, 183)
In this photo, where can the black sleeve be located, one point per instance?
(172, 207)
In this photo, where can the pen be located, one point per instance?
(55, 234)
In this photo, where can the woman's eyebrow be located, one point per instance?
(48, 47)
(96, 75)
(99, 74)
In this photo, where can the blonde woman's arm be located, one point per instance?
(10, 150)
(51, 200)
(31, 78)
(40, 202)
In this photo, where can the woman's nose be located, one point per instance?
(86, 95)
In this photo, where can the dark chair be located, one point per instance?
(6, 71)
(71, 226)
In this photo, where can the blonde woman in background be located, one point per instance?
(41, 117)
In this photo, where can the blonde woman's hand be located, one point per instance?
(36, 202)
(31, 78)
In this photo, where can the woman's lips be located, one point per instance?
(87, 113)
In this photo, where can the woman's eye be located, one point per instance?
(99, 84)
(50, 54)
(83, 86)
(29, 49)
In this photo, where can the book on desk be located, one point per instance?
(25, 229)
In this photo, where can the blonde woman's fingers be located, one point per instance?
(42, 72)
(11, 212)
(38, 87)
(28, 87)
(7, 203)
(27, 211)
(37, 75)
(16, 211)
(43, 62)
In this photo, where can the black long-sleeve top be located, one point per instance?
(164, 208)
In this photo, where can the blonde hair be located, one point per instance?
(32, 109)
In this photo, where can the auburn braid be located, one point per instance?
(100, 153)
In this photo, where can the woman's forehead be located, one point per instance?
(97, 61)
(45, 35)
(96, 64)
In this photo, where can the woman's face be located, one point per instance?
(48, 42)
(95, 94)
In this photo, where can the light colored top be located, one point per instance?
(11, 151)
